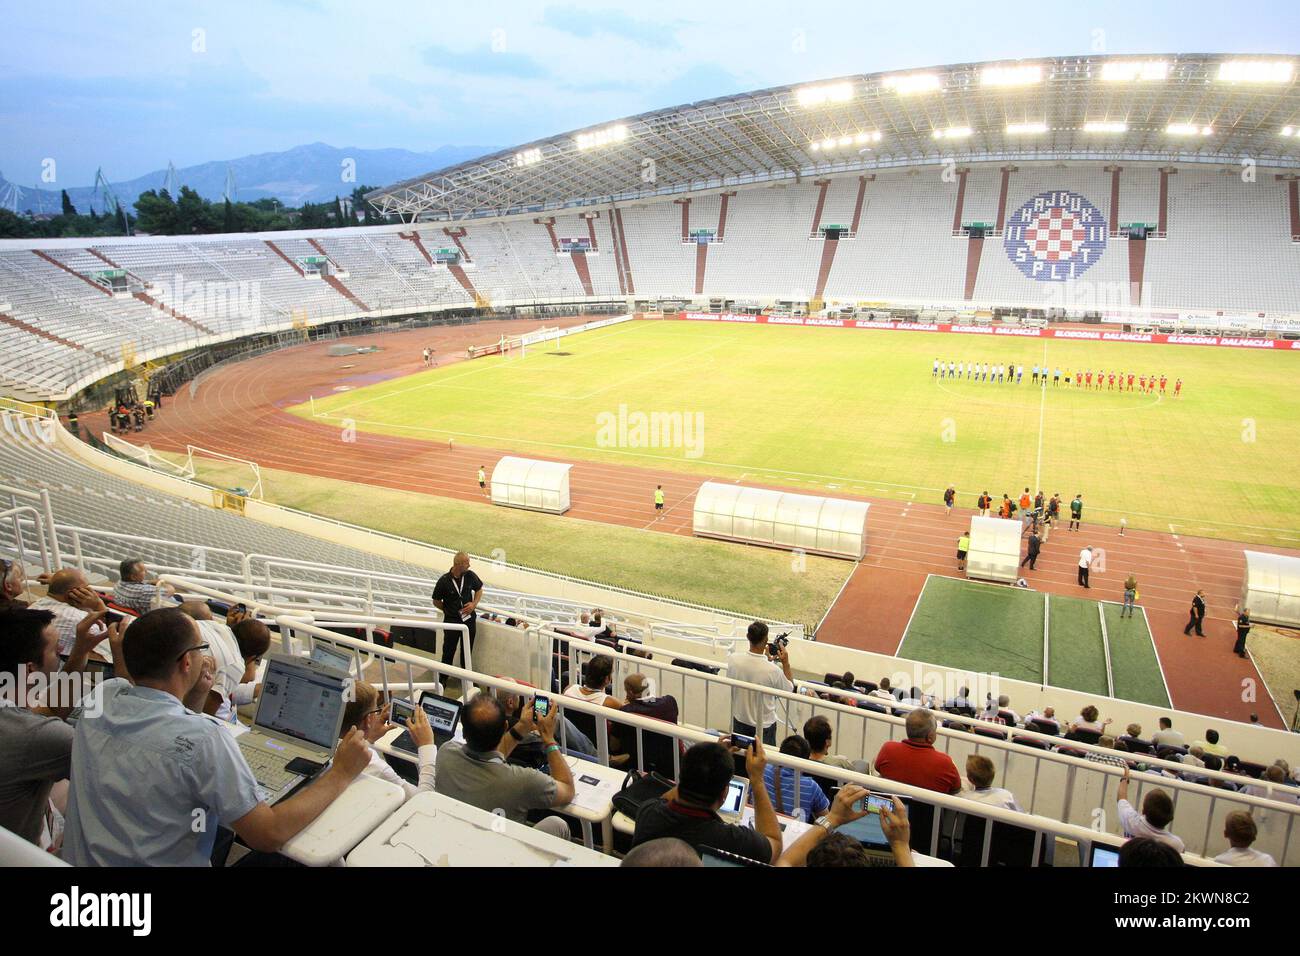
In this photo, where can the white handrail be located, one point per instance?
(1043, 826)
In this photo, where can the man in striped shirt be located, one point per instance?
(70, 599)
(134, 591)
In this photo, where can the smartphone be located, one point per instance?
(112, 617)
(241, 608)
(401, 712)
(741, 741)
(875, 802)
(541, 705)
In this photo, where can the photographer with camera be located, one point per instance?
(767, 665)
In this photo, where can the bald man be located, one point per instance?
(71, 598)
(456, 595)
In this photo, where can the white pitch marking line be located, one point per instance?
(1042, 410)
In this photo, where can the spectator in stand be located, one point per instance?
(1166, 736)
(689, 811)
(817, 731)
(810, 802)
(146, 739)
(13, 582)
(476, 771)
(71, 598)
(885, 691)
(637, 700)
(1131, 732)
(228, 664)
(1048, 717)
(751, 709)
(1088, 723)
(1146, 852)
(134, 590)
(666, 852)
(1211, 744)
(980, 774)
(595, 682)
(1108, 742)
(1240, 831)
(915, 761)
(35, 740)
(1279, 792)
(575, 741)
(1003, 710)
(960, 701)
(254, 640)
(368, 714)
(1154, 820)
(822, 846)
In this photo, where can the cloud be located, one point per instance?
(586, 24)
(483, 62)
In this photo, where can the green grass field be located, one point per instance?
(745, 580)
(842, 410)
(995, 629)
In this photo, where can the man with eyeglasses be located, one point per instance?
(152, 778)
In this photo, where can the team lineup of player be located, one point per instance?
(1111, 380)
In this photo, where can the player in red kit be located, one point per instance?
(1110, 382)
(1178, 387)
(1090, 378)
(1163, 380)
(1142, 383)
(1130, 381)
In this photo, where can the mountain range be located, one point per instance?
(316, 172)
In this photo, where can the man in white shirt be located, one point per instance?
(1240, 832)
(71, 598)
(979, 776)
(228, 672)
(1004, 709)
(1166, 736)
(1154, 820)
(751, 709)
(1085, 562)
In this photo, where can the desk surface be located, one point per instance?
(435, 830)
(364, 805)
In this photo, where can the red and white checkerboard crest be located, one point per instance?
(1055, 236)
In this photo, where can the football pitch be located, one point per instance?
(858, 411)
(991, 628)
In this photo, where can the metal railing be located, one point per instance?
(1059, 785)
(1043, 828)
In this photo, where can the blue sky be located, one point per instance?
(132, 86)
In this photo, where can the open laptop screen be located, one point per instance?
(443, 713)
(737, 790)
(301, 702)
(334, 657)
(1102, 855)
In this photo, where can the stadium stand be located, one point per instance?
(1220, 266)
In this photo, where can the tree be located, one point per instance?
(68, 208)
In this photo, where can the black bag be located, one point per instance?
(639, 789)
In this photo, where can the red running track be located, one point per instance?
(239, 410)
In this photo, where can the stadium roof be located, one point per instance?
(1204, 108)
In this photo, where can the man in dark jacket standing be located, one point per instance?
(1197, 616)
(1031, 550)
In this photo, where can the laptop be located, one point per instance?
(297, 724)
(733, 807)
(334, 657)
(1103, 856)
(443, 714)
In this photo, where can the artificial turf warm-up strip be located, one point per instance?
(1133, 655)
(991, 628)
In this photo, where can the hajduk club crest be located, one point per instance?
(1055, 236)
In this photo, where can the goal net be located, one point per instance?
(518, 345)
